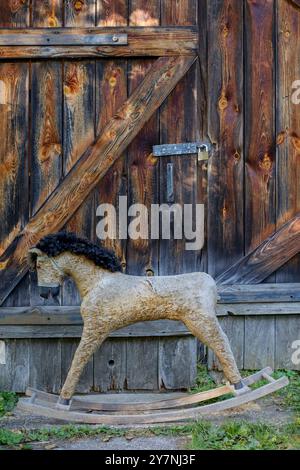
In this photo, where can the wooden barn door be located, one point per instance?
(81, 109)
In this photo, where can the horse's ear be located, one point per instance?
(32, 255)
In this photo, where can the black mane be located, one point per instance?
(54, 245)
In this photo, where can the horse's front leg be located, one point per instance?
(90, 341)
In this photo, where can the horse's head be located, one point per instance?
(50, 276)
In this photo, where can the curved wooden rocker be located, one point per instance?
(171, 410)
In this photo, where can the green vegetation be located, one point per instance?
(8, 401)
(241, 435)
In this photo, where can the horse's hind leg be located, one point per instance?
(89, 343)
(207, 329)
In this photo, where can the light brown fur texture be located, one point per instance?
(113, 300)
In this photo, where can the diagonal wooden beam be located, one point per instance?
(273, 253)
(93, 165)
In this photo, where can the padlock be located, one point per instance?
(203, 153)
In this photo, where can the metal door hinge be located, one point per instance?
(202, 149)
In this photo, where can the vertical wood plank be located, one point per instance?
(259, 123)
(142, 254)
(14, 117)
(78, 124)
(142, 364)
(287, 333)
(14, 14)
(45, 364)
(68, 348)
(111, 92)
(110, 366)
(259, 342)
(179, 123)
(182, 12)
(234, 328)
(287, 125)
(144, 12)
(47, 13)
(45, 124)
(173, 371)
(14, 374)
(112, 12)
(225, 125)
(80, 13)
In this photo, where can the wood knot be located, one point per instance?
(78, 5)
(225, 31)
(52, 22)
(237, 156)
(296, 143)
(266, 163)
(112, 82)
(280, 138)
(223, 102)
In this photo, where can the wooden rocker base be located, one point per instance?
(163, 411)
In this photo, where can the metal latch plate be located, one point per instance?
(200, 148)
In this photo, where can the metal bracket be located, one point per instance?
(200, 148)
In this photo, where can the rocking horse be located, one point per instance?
(112, 300)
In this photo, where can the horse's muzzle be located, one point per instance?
(45, 292)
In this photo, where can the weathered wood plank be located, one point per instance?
(112, 13)
(61, 37)
(174, 372)
(45, 364)
(287, 123)
(157, 42)
(78, 183)
(259, 349)
(79, 125)
(110, 366)
(144, 13)
(14, 374)
(225, 238)
(45, 124)
(70, 315)
(142, 167)
(183, 12)
(80, 13)
(86, 381)
(46, 13)
(14, 14)
(287, 336)
(260, 213)
(142, 364)
(273, 253)
(111, 86)
(263, 293)
(14, 122)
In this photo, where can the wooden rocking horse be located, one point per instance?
(113, 300)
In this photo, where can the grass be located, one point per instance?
(241, 435)
(8, 401)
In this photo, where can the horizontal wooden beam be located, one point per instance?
(92, 166)
(73, 42)
(273, 253)
(260, 293)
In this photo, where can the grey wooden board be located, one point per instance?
(234, 329)
(142, 364)
(110, 366)
(177, 363)
(45, 365)
(287, 331)
(86, 381)
(259, 349)
(14, 374)
(61, 38)
(259, 293)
